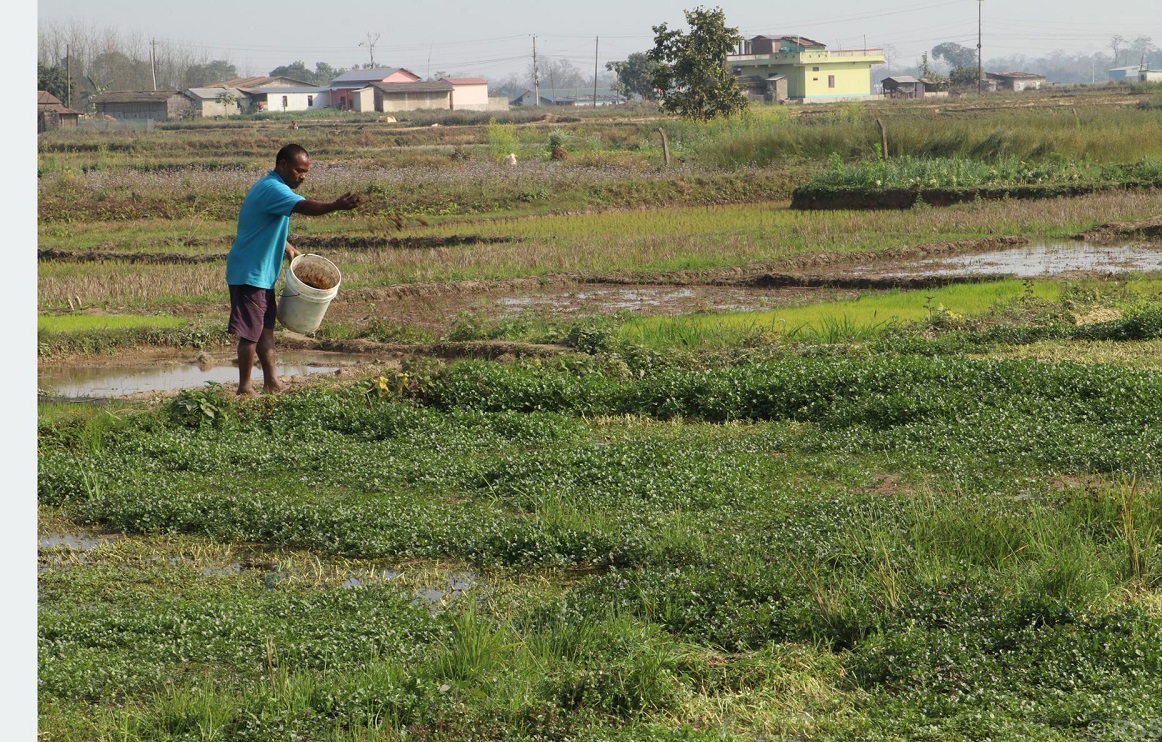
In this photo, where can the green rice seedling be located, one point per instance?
(476, 645)
(205, 715)
(832, 322)
(1140, 517)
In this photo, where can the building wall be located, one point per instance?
(836, 79)
(470, 97)
(363, 100)
(411, 101)
(400, 76)
(1150, 76)
(154, 111)
(280, 102)
(214, 108)
(176, 106)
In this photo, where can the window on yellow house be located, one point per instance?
(831, 81)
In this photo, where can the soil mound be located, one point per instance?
(367, 242)
(1115, 231)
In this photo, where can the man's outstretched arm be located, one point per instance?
(318, 208)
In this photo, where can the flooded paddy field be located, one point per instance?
(159, 372)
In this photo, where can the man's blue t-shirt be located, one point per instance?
(255, 258)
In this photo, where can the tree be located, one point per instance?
(955, 55)
(218, 70)
(635, 76)
(692, 75)
(964, 76)
(1116, 43)
(53, 80)
(1140, 48)
(296, 70)
(323, 74)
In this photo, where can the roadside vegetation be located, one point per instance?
(875, 511)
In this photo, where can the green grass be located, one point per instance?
(873, 547)
(835, 322)
(977, 172)
(90, 322)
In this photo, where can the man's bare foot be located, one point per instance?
(273, 387)
(246, 392)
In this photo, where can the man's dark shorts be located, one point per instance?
(251, 310)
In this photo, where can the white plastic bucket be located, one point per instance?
(302, 305)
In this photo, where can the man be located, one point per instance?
(255, 259)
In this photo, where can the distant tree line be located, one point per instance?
(957, 64)
(77, 61)
(551, 74)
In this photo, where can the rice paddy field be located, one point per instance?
(782, 494)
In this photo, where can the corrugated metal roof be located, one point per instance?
(312, 90)
(437, 86)
(257, 82)
(1016, 75)
(901, 78)
(213, 93)
(800, 40)
(135, 96)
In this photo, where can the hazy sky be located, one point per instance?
(494, 39)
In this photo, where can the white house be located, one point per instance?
(1124, 74)
(214, 102)
(1148, 75)
(468, 93)
(281, 100)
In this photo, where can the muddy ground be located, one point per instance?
(436, 308)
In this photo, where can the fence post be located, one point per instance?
(665, 146)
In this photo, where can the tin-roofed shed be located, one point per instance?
(148, 105)
(903, 86)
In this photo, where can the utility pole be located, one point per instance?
(596, 40)
(68, 77)
(536, 80)
(370, 44)
(979, 67)
(152, 63)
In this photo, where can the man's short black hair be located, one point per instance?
(289, 153)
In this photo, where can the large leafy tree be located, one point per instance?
(203, 74)
(323, 74)
(635, 75)
(53, 80)
(954, 55)
(692, 75)
(961, 61)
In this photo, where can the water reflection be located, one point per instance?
(164, 375)
(1043, 259)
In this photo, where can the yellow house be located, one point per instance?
(812, 72)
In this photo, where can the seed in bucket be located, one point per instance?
(315, 278)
